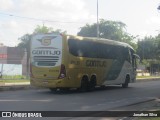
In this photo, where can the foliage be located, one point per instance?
(24, 40)
(113, 30)
(42, 29)
(45, 29)
(157, 43)
(14, 81)
(14, 77)
(149, 47)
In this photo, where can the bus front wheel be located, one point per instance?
(125, 84)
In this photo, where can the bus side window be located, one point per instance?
(130, 56)
(133, 59)
(126, 55)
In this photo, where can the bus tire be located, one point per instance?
(92, 83)
(64, 89)
(125, 84)
(84, 84)
(53, 89)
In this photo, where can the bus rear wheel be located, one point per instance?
(53, 89)
(84, 84)
(92, 83)
(125, 84)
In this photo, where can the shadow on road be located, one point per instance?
(97, 89)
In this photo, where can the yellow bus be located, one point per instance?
(64, 61)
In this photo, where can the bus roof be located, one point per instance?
(101, 40)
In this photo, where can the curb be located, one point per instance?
(16, 87)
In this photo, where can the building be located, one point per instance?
(14, 55)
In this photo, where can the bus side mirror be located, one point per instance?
(137, 60)
(137, 57)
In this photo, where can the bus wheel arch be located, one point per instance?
(126, 82)
(92, 82)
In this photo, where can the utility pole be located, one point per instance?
(43, 23)
(1, 72)
(97, 22)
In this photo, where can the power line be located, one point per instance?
(36, 19)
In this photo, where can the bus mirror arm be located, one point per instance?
(136, 56)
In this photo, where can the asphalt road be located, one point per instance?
(107, 98)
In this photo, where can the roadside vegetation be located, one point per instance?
(145, 77)
(13, 79)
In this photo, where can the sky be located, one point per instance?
(18, 17)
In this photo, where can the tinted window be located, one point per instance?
(96, 50)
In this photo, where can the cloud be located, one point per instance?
(6, 4)
(153, 20)
(11, 31)
(59, 11)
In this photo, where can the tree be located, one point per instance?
(24, 40)
(42, 29)
(45, 29)
(113, 30)
(149, 47)
(157, 41)
(25, 45)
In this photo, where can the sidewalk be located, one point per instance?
(15, 86)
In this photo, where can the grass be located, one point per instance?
(14, 77)
(13, 81)
(143, 77)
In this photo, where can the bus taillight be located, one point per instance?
(62, 72)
